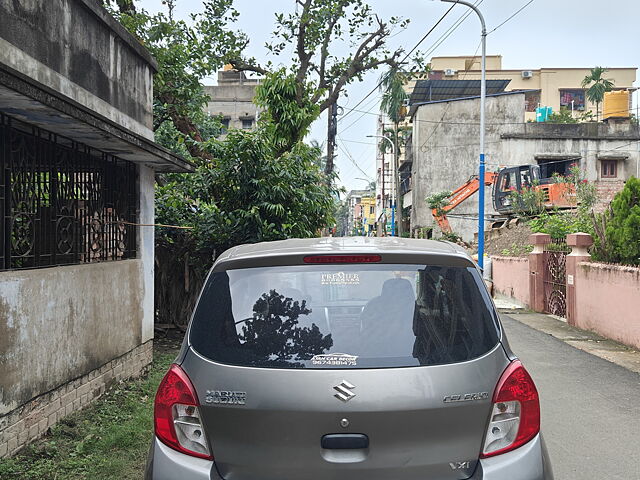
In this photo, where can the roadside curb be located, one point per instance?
(584, 340)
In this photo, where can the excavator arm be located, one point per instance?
(458, 196)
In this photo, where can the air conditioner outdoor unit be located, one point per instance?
(449, 72)
(405, 102)
(527, 74)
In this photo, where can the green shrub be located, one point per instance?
(622, 231)
(560, 224)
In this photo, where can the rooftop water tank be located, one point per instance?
(616, 104)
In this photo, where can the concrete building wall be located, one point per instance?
(590, 143)
(35, 417)
(68, 332)
(232, 99)
(445, 145)
(76, 48)
(446, 154)
(146, 246)
(465, 62)
(61, 323)
(511, 278)
(607, 297)
(608, 301)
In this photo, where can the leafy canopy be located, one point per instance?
(623, 227)
(247, 187)
(597, 84)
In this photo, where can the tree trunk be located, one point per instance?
(177, 284)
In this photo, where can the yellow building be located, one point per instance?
(559, 87)
(369, 213)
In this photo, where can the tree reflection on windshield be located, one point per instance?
(272, 334)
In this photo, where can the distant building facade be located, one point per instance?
(444, 152)
(361, 219)
(558, 88)
(232, 99)
(385, 187)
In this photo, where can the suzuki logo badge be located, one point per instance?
(344, 391)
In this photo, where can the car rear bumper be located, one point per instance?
(529, 462)
(165, 463)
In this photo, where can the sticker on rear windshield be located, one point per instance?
(340, 278)
(335, 360)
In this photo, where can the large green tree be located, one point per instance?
(332, 44)
(247, 187)
(248, 192)
(597, 86)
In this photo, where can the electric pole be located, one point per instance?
(332, 130)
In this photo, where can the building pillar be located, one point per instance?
(536, 270)
(579, 243)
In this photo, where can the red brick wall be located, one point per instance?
(607, 189)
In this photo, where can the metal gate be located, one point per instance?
(555, 278)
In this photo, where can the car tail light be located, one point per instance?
(342, 258)
(515, 417)
(177, 417)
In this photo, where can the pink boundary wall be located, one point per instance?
(608, 301)
(511, 277)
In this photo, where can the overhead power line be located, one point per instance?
(513, 15)
(350, 157)
(404, 59)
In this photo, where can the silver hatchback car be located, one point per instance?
(356, 358)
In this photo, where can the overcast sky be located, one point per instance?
(548, 33)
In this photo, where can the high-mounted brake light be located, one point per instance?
(342, 259)
(515, 417)
(177, 417)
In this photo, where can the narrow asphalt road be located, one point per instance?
(590, 407)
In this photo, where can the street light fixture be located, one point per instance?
(483, 96)
(395, 172)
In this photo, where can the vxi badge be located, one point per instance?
(466, 397)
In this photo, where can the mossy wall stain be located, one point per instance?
(60, 323)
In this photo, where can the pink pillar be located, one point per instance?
(579, 243)
(536, 270)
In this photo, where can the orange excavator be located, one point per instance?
(505, 182)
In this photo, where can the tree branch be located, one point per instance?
(242, 66)
(303, 55)
(324, 51)
(358, 63)
(185, 126)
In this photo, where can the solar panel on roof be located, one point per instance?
(438, 90)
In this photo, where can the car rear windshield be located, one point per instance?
(344, 316)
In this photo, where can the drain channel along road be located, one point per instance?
(590, 407)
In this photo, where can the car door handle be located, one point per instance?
(343, 441)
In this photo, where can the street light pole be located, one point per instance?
(393, 192)
(483, 97)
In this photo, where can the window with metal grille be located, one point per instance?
(62, 202)
(609, 168)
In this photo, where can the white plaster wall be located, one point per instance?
(32, 68)
(59, 323)
(146, 247)
(446, 154)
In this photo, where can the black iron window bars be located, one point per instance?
(62, 202)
